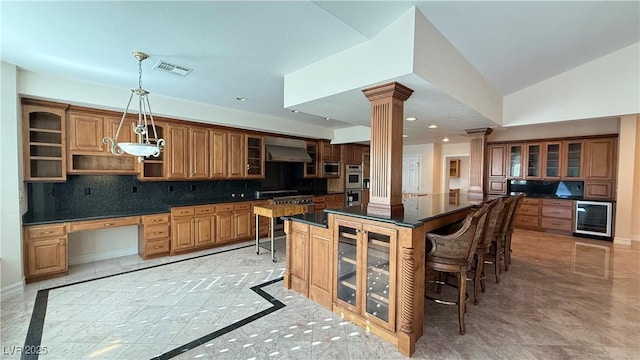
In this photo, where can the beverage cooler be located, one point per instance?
(594, 219)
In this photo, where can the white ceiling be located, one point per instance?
(244, 49)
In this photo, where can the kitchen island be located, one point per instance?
(369, 268)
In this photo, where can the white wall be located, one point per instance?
(609, 125)
(74, 92)
(426, 152)
(11, 277)
(608, 86)
(89, 246)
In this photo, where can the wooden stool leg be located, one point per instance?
(462, 304)
(478, 283)
(507, 252)
(496, 263)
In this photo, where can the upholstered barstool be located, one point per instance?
(493, 216)
(453, 253)
(496, 255)
(509, 231)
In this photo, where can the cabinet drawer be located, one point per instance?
(183, 211)
(527, 221)
(529, 210)
(224, 207)
(530, 201)
(204, 209)
(556, 202)
(156, 232)
(155, 219)
(557, 224)
(557, 212)
(47, 231)
(242, 206)
(319, 199)
(156, 247)
(103, 224)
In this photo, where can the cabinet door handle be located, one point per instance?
(157, 220)
(63, 244)
(157, 247)
(108, 224)
(46, 232)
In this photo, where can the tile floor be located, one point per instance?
(562, 298)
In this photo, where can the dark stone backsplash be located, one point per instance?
(112, 193)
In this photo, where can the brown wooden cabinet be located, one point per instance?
(600, 168)
(154, 236)
(557, 216)
(234, 222)
(533, 161)
(311, 169)
(218, 157)
(528, 216)
(153, 168)
(352, 154)
(497, 171)
(86, 132)
(572, 160)
(44, 141)
(192, 227)
(334, 201)
(516, 161)
(236, 149)
(365, 271)
(552, 160)
(45, 250)
(329, 152)
(242, 216)
(454, 168)
(187, 152)
(254, 157)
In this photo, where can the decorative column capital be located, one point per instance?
(394, 90)
(479, 131)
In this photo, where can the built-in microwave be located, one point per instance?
(331, 169)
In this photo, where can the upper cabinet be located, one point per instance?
(88, 154)
(255, 157)
(516, 160)
(552, 160)
(152, 168)
(187, 152)
(218, 157)
(353, 154)
(43, 139)
(329, 152)
(572, 159)
(592, 160)
(311, 168)
(533, 161)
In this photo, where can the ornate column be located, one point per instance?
(387, 112)
(478, 162)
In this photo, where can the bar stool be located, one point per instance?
(493, 216)
(507, 236)
(453, 253)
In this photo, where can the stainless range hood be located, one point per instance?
(278, 153)
(286, 150)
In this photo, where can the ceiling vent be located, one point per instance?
(171, 68)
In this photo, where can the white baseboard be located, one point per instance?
(87, 258)
(11, 289)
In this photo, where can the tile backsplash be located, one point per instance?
(110, 192)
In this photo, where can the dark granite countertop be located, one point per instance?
(548, 196)
(318, 218)
(51, 217)
(417, 210)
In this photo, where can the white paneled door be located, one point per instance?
(411, 174)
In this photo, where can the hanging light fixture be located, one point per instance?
(145, 146)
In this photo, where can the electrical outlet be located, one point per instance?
(170, 188)
(87, 191)
(21, 196)
(193, 188)
(134, 189)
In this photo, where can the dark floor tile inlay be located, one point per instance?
(34, 333)
(277, 305)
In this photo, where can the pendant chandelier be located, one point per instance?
(145, 146)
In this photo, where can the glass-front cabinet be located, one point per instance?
(365, 270)
(552, 160)
(255, 157)
(534, 161)
(515, 161)
(573, 157)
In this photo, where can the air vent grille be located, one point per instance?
(172, 68)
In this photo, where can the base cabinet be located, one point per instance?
(550, 215)
(154, 236)
(192, 227)
(46, 250)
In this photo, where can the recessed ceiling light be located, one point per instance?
(403, 135)
(433, 126)
(241, 98)
(446, 139)
(411, 119)
(295, 111)
(327, 118)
